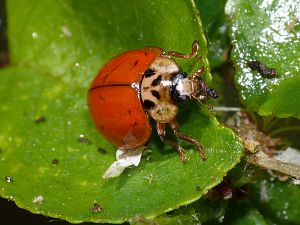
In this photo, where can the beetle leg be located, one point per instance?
(161, 131)
(197, 74)
(200, 97)
(195, 49)
(174, 125)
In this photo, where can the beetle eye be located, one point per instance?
(212, 93)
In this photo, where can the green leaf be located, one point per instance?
(49, 158)
(267, 32)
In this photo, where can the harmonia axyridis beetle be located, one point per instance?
(141, 83)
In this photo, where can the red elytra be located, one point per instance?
(114, 101)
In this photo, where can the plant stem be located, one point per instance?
(263, 160)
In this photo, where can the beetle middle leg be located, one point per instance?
(195, 49)
(174, 126)
(161, 131)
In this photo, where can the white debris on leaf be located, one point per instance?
(124, 160)
(290, 155)
(296, 181)
(38, 199)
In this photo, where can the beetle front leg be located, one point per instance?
(174, 125)
(161, 131)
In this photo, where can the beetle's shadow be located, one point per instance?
(186, 109)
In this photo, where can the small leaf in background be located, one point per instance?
(216, 27)
(277, 201)
(242, 212)
(49, 146)
(266, 35)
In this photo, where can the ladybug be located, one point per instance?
(143, 83)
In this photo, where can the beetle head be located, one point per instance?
(185, 88)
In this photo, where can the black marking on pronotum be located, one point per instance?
(149, 73)
(155, 94)
(40, 119)
(148, 104)
(156, 81)
(262, 69)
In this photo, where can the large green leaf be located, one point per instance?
(49, 146)
(268, 32)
